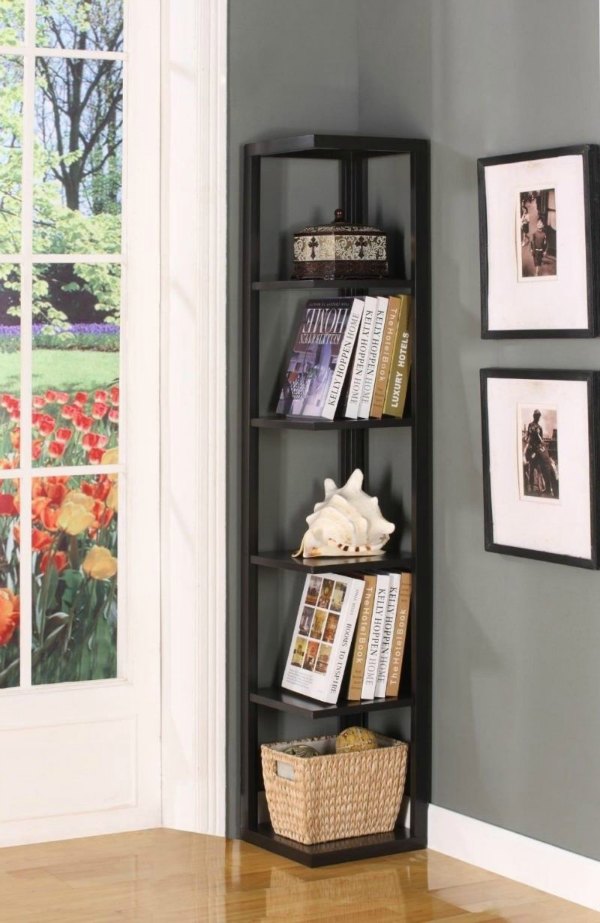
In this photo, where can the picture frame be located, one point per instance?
(540, 464)
(538, 238)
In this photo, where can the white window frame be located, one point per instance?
(194, 408)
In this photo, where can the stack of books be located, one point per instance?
(350, 355)
(349, 633)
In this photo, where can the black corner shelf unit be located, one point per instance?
(353, 155)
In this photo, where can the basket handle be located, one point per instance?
(285, 770)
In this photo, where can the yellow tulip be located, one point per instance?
(112, 501)
(77, 496)
(99, 563)
(110, 457)
(73, 518)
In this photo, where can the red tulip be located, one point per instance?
(63, 435)
(113, 395)
(39, 402)
(82, 422)
(46, 425)
(68, 412)
(51, 396)
(101, 396)
(95, 456)
(62, 397)
(113, 414)
(80, 398)
(99, 410)
(90, 441)
(7, 505)
(56, 449)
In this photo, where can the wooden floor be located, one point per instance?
(159, 876)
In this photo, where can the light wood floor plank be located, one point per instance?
(164, 876)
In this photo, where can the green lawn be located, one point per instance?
(63, 370)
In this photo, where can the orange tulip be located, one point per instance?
(43, 509)
(56, 559)
(9, 615)
(40, 540)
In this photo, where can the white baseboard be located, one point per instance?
(559, 872)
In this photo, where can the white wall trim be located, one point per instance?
(531, 862)
(193, 413)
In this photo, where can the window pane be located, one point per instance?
(9, 584)
(74, 540)
(75, 362)
(78, 148)
(11, 110)
(10, 366)
(12, 20)
(95, 25)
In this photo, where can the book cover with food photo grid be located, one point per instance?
(323, 636)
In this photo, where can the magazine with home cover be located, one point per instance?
(320, 357)
(323, 636)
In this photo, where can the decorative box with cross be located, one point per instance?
(340, 251)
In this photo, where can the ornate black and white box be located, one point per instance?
(340, 251)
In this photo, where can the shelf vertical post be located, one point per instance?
(249, 597)
(422, 494)
(353, 444)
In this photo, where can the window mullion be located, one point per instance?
(26, 339)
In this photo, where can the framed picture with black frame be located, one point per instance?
(540, 464)
(539, 236)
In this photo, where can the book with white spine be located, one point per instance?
(375, 636)
(361, 356)
(387, 636)
(343, 360)
(364, 408)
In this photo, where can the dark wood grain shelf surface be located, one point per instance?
(282, 700)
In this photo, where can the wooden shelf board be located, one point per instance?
(278, 421)
(335, 146)
(342, 565)
(283, 700)
(399, 286)
(361, 847)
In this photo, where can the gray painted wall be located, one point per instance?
(516, 722)
(516, 715)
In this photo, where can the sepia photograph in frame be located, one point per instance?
(540, 464)
(536, 235)
(538, 242)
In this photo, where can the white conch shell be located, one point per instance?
(347, 522)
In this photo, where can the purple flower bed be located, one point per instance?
(14, 330)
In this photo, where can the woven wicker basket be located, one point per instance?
(334, 795)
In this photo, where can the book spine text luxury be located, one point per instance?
(373, 359)
(387, 636)
(361, 357)
(385, 357)
(397, 388)
(375, 635)
(399, 639)
(343, 360)
(362, 639)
